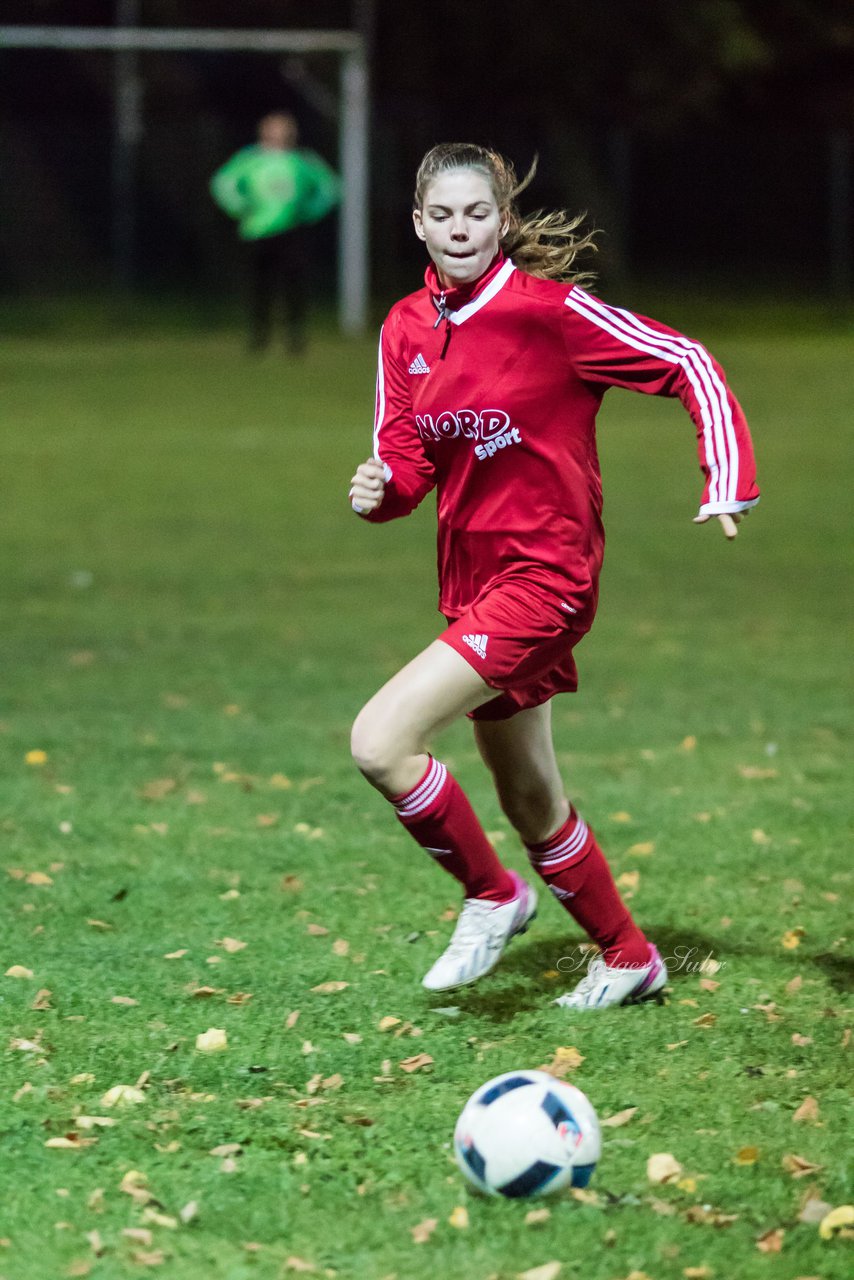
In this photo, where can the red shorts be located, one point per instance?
(519, 638)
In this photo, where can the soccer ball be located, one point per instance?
(527, 1134)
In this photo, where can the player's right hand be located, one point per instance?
(367, 487)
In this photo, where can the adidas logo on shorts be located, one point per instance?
(419, 365)
(478, 643)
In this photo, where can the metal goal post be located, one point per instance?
(353, 114)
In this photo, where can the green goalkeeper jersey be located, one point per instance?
(269, 190)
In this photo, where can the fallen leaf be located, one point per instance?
(771, 1241)
(386, 1023)
(291, 1019)
(294, 1263)
(621, 816)
(214, 1040)
(619, 1118)
(548, 1271)
(36, 757)
(158, 1219)
(18, 971)
(706, 1020)
(566, 1059)
(135, 1184)
(125, 1000)
(175, 955)
(330, 988)
(808, 1110)
(99, 924)
(231, 945)
(643, 848)
(94, 1122)
(709, 984)
(697, 1273)
(25, 1046)
(422, 1232)
(239, 998)
(290, 884)
(792, 938)
(139, 1235)
(585, 1196)
(677, 1044)
(794, 985)
(122, 1095)
(416, 1062)
(837, 1220)
(747, 1155)
(202, 993)
(628, 880)
(662, 1207)
(226, 1149)
(663, 1167)
(535, 1217)
(352, 1037)
(154, 1258)
(72, 1142)
(459, 1217)
(754, 772)
(316, 930)
(158, 788)
(189, 1211)
(340, 947)
(813, 1210)
(799, 1166)
(800, 1040)
(758, 836)
(689, 743)
(38, 877)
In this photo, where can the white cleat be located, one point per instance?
(483, 931)
(606, 985)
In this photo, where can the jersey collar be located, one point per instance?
(463, 301)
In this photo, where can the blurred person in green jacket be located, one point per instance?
(275, 190)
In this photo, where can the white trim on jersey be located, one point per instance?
(379, 407)
(494, 286)
(721, 450)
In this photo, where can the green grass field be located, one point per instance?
(191, 619)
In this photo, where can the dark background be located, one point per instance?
(711, 139)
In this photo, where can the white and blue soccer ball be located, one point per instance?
(527, 1134)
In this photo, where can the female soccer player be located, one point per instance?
(489, 381)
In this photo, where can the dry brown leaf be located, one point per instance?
(697, 1273)
(387, 1023)
(794, 985)
(689, 743)
(628, 880)
(239, 997)
(813, 1210)
(122, 1095)
(135, 1184)
(771, 1241)
(231, 945)
(291, 1019)
(548, 1271)
(330, 988)
(18, 971)
(709, 984)
(422, 1232)
(585, 1196)
(459, 1217)
(293, 1263)
(175, 955)
(79, 1268)
(316, 930)
(792, 938)
(189, 1211)
(754, 772)
(125, 1000)
(663, 1167)
(799, 1166)
(226, 1149)
(42, 1000)
(677, 1044)
(352, 1037)
(705, 1214)
(747, 1155)
(619, 1118)
(214, 1040)
(808, 1110)
(158, 788)
(158, 1219)
(203, 993)
(94, 1122)
(706, 1020)
(38, 877)
(139, 1235)
(662, 1207)
(800, 1040)
(146, 1258)
(535, 1217)
(340, 947)
(416, 1062)
(758, 836)
(290, 884)
(71, 1142)
(566, 1058)
(642, 849)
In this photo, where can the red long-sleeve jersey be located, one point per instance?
(496, 406)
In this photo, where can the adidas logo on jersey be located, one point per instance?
(478, 643)
(419, 365)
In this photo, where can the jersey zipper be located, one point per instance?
(444, 314)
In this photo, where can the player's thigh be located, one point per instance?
(425, 696)
(519, 752)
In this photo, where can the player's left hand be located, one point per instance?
(729, 523)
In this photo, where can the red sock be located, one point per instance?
(438, 815)
(575, 869)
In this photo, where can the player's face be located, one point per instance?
(460, 223)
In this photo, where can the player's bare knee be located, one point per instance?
(372, 750)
